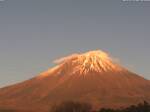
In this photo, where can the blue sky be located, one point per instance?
(33, 33)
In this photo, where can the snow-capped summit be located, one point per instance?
(81, 64)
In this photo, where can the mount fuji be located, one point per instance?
(92, 77)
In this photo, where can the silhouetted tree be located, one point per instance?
(71, 107)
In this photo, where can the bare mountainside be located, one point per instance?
(91, 77)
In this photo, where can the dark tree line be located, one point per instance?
(84, 107)
(141, 107)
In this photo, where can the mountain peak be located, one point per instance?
(83, 63)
